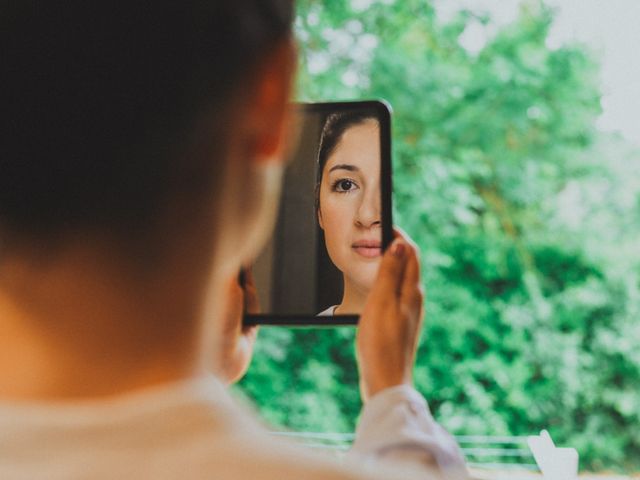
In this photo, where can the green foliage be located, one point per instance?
(305, 379)
(527, 217)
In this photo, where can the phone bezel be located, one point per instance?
(383, 111)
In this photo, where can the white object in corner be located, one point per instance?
(555, 463)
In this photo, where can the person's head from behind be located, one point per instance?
(151, 130)
(114, 113)
(348, 196)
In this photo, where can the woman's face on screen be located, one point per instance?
(350, 203)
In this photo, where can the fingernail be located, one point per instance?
(398, 250)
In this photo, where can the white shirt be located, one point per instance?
(194, 430)
(328, 312)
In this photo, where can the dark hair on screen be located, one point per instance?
(335, 125)
(100, 101)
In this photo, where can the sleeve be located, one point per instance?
(396, 426)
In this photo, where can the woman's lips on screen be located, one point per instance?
(367, 248)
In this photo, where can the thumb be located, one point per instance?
(392, 267)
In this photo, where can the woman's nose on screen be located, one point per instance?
(368, 213)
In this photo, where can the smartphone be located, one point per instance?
(334, 220)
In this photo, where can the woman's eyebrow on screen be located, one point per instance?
(344, 166)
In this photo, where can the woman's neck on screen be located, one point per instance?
(353, 299)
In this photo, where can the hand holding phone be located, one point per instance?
(235, 341)
(390, 324)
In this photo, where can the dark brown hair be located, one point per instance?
(100, 100)
(335, 125)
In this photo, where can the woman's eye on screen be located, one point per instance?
(344, 185)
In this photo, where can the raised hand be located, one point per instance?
(234, 341)
(390, 323)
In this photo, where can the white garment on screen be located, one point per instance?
(194, 430)
(328, 312)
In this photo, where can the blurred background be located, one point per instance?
(517, 171)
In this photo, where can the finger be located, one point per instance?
(398, 232)
(392, 267)
(251, 299)
(412, 293)
(410, 289)
(234, 292)
(249, 279)
(411, 276)
(250, 331)
(232, 308)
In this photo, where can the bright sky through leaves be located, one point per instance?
(608, 27)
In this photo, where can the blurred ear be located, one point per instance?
(270, 110)
(320, 219)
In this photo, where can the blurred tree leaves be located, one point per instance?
(528, 219)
